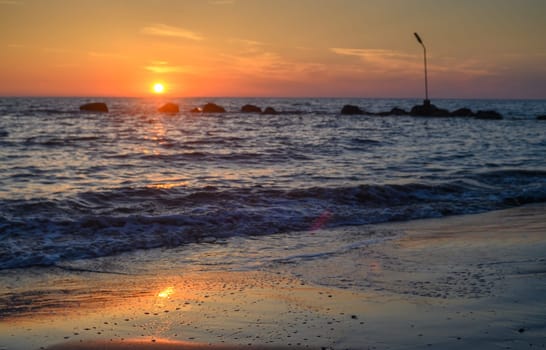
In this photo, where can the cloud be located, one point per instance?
(389, 62)
(384, 60)
(266, 65)
(370, 53)
(162, 67)
(10, 2)
(245, 42)
(171, 31)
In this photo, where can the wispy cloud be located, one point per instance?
(369, 53)
(379, 58)
(10, 2)
(245, 42)
(269, 65)
(162, 67)
(171, 31)
(389, 62)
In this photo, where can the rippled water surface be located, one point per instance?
(75, 185)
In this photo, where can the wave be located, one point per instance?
(267, 156)
(49, 141)
(92, 224)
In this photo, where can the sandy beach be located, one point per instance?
(472, 281)
(267, 175)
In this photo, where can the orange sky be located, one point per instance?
(357, 48)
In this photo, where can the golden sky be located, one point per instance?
(291, 48)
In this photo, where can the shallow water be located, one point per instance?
(81, 185)
(474, 281)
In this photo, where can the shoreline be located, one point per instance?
(468, 281)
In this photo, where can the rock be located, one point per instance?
(94, 107)
(541, 117)
(196, 110)
(395, 111)
(213, 108)
(270, 110)
(490, 115)
(462, 112)
(169, 108)
(398, 111)
(251, 109)
(351, 110)
(429, 110)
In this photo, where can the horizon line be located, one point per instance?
(271, 97)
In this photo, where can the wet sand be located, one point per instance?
(158, 344)
(462, 282)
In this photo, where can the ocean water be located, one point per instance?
(77, 185)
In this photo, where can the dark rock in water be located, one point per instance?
(429, 110)
(351, 110)
(169, 108)
(398, 111)
(541, 117)
(94, 107)
(251, 109)
(395, 111)
(270, 110)
(196, 110)
(213, 108)
(463, 112)
(492, 115)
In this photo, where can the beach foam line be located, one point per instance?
(155, 344)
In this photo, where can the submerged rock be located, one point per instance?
(251, 109)
(270, 110)
(169, 108)
(213, 108)
(351, 110)
(492, 115)
(541, 117)
(94, 107)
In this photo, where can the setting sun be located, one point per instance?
(158, 88)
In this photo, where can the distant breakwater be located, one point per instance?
(424, 110)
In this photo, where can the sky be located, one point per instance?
(273, 48)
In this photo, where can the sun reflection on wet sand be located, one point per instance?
(166, 293)
(219, 308)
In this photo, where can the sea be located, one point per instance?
(81, 185)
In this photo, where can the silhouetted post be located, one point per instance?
(426, 102)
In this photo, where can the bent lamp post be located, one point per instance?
(426, 102)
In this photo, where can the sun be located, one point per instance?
(158, 88)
